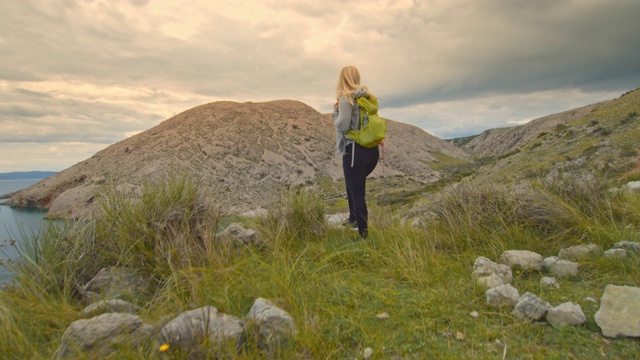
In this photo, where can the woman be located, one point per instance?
(357, 161)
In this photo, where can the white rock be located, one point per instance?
(336, 219)
(566, 314)
(102, 336)
(579, 252)
(490, 274)
(275, 325)
(550, 281)
(531, 306)
(367, 353)
(619, 312)
(549, 261)
(615, 253)
(522, 259)
(630, 246)
(185, 330)
(565, 269)
(631, 186)
(237, 235)
(503, 295)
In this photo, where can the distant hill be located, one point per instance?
(26, 175)
(599, 139)
(462, 141)
(502, 141)
(245, 152)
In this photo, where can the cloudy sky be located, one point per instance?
(79, 75)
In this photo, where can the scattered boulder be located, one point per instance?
(189, 330)
(116, 282)
(490, 274)
(619, 312)
(566, 314)
(615, 253)
(236, 235)
(550, 281)
(503, 295)
(110, 306)
(522, 259)
(559, 267)
(579, 252)
(531, 306)
(103, 335)
(630, 246)
(274, 326)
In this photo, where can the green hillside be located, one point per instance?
(605, 142)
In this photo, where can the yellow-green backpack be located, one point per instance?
(373, 128)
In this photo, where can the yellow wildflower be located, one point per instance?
(164, 347)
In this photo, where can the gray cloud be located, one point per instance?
(96, 72)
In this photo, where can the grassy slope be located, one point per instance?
(605, 141)
(334, 285)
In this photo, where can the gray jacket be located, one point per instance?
(346, 117)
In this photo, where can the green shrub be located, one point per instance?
(171, 223)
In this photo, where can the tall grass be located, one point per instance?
(297, 215)
(337, 287)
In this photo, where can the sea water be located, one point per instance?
(17, 226)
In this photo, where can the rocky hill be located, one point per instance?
(501, 141)
(600, 139)
(244, 151)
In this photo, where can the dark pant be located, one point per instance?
(357, 166)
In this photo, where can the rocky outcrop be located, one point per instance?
(243, 152)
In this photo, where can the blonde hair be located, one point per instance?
(349, 81)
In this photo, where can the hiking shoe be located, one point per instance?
(350, 224)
